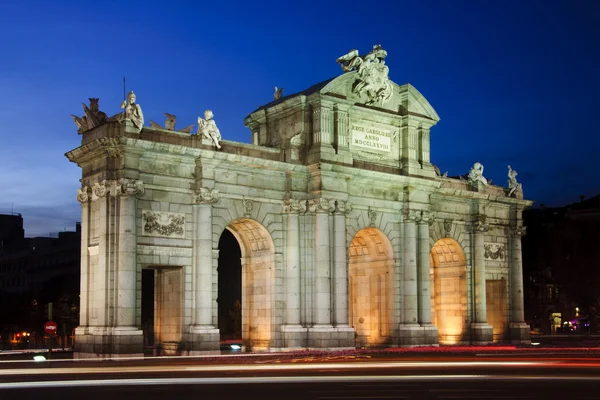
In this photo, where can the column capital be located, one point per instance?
(428, 217)
(293, 206)
(411, 215)
(129, 187)
(321, 205)
(342, 207)
(205, 196)
(518, 230)
(480, 225)
(83, 194)
(100, 189)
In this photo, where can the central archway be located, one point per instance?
(371, 281)
(257, 270)
(449, 291)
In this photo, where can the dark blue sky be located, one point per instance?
(514, 82)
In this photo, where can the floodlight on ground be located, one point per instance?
(39, 358)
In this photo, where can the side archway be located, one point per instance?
(449, 291)
(371, 285)
(257, 269)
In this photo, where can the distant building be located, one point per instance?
(11, 232)
(26, 264)
(560, 278)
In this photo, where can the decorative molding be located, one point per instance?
(480, 225)
(100, 189)
(83, 195)
(129, 187)
(205, 196)
(447, 227)
(519, 230)
(494, 251)
(321, 205)
(294, 206)
(343, 207)
(411, 215)
(428, 217)
(248, 205)
(111, 147)
(163, 224)
(114, 188)
(372, 217)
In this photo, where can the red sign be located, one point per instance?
(50, 327)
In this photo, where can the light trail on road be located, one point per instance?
(284, 380)
(338, 366)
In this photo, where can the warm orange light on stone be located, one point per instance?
(371, 280)
(258, 264)
(449, 290)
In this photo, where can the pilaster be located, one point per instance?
(518, 329)
(323, 334)
(322, 143)
(294, 334)
(108, 310)
(430, 336)
(204, 336)
(481, 331)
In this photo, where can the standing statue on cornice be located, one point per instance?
(208, 128)
(372, 74)
(513, 185)
(476, 174)
(133, 111)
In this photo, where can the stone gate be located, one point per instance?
(348, 235)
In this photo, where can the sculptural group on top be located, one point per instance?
(372, 77)
(133, 112)
(476, 175)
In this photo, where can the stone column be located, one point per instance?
(292, 208)
(126, 190)
(411, 217)
(294, 334)
(482, 332)
(84, 200)
(322, 208)
(203, 263)
(519, 330)
(99, 308)
(409, 331)
(340, 265)
(424, 281)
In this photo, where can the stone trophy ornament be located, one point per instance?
(476, 175)
(133, 111)
(278, 93)
(93, 116)
(513, 186)
(372, 74)
(208, 128)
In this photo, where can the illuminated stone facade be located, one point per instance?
(348, 236)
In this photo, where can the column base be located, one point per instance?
(415, 335)
(202, 339)
(108, 342)
(294, 337)
(519, 333)
(482, 333)
(330, 337)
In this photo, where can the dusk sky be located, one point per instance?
(514, 82)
